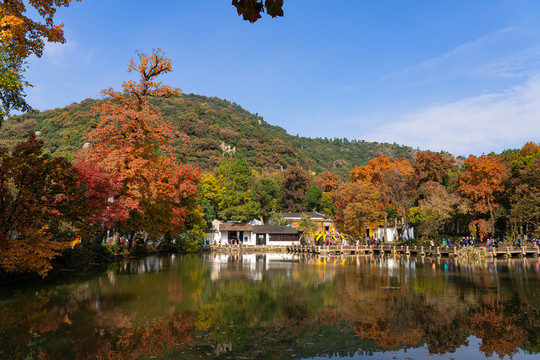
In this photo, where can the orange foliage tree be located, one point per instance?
(372, 171)
(395, 181)
(358, 203)
(482, 179)
(23, 35)
(430, 166)
(480, 228)
(132, 145)
(328, 181)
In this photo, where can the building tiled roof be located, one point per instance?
(235, 227)
(274, 229)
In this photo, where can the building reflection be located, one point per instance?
(250, 266)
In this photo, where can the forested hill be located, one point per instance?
(213, 125)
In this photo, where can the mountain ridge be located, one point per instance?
(217, 129)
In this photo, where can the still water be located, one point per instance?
(278, 306)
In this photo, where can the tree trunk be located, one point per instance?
(385, 237)
(395, 228)
(492, 219)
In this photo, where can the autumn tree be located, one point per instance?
(42, 205)
(24, 35)
(399, 189)
(395, 181)
(20, 37)
(293, 188)
(431, 166)
(481, 181)
(327, 181)
(100, 192)
(132, 144)
(436, 208)
(358, 202)
(372, 171)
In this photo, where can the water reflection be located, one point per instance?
(279, 306)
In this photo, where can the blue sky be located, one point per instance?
(455, 75)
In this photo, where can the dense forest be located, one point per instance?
(209, 122)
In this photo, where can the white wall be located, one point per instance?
(284, 243)
(390, 232)
(252, 238)
(224, 240)
(211, 237)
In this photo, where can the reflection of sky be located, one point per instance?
(463, 353)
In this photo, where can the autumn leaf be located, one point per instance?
(249, 9)
(274, 8)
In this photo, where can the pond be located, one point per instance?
(278, 306)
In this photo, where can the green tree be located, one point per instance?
(279, 219)
(236, 180)
(267, 193)
(209, 212)
(328, 204)
(12, 84)
(313, 198)
(307, 226)
(525, 199)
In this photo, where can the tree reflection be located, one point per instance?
(330, 306)
(499, 332)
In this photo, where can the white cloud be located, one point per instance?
(516, 65)
(485, 123)
(467, 51)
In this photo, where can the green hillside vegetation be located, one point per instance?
(209, 122)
